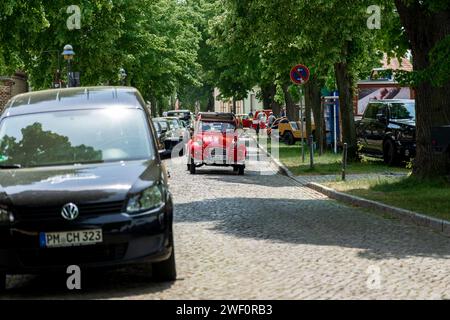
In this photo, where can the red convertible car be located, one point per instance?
(216, 143)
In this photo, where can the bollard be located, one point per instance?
(344, 162)
(311, 151)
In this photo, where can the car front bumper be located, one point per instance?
(126, 239)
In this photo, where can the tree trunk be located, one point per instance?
(268, 94)
(424, 30)
(210, 107)
(234, 106)
(292, 109)
(313, 94)
(153, 106)
(346, 94)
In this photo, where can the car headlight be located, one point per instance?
(148, 199)
(6, 216)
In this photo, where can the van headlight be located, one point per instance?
(6, 216)
(150, 198)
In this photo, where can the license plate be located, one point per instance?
(70, 238)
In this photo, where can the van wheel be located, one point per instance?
(165, 270)
(192, 167)
(2, 281)
(289, 138)
(390, 153)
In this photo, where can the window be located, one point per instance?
(74, 137)
(372, 110)
(403, 111)
(217, 127)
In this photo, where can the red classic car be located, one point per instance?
(216, 143)
(244, 120)
(260, 119)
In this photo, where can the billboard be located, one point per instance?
(367, 92)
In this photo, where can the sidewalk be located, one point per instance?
(314, 182)
(351, 177)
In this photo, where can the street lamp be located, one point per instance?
(68, 54)
(122, 76)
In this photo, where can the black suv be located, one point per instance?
(81, 183)
(388, 130)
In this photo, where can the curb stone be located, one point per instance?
(439, 225)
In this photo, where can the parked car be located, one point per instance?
(260, 119)
(180, 127)
(244, 120)
(94, 193)
(173, 134)
(388, 130)
(186, 115)
(160, 136)
(216, 143)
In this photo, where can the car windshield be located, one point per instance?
(174, 123)
(294, 125)
(164, 125)
(217, 127)
(403, 111)
(74, 137)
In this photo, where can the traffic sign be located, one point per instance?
(300, 74)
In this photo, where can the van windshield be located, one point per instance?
(400, 111)
(74, 137)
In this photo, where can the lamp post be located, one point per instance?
(68, 54)
(122, 76)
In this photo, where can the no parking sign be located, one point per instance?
(300, 74)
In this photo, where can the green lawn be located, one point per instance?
(330, 163)
(430, 197)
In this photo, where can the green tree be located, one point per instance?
(427, 25)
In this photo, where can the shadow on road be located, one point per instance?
(96, 284)
(315, 222)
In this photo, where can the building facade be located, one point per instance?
(11, 86)
(250, 104)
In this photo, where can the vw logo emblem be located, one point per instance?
(70, 212)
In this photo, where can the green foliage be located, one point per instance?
(154, 40)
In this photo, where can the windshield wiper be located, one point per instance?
(10, 166)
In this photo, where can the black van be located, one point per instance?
(81, 183)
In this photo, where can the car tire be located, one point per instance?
(241, 170)
(2, 281)
(390, 153)
(166, 270)
(192, 167)
(289, 138)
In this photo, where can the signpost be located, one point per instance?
(300, 75)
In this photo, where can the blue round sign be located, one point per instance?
(300, 74)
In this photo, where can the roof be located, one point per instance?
(216, 116)
(395, 64)
(72, 99)
(179, 111)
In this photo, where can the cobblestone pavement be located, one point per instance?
(265, 236)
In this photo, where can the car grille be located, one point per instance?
(74, 255)
(54, 212)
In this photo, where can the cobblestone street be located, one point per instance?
(264, 236)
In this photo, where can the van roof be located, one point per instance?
(72, 99)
